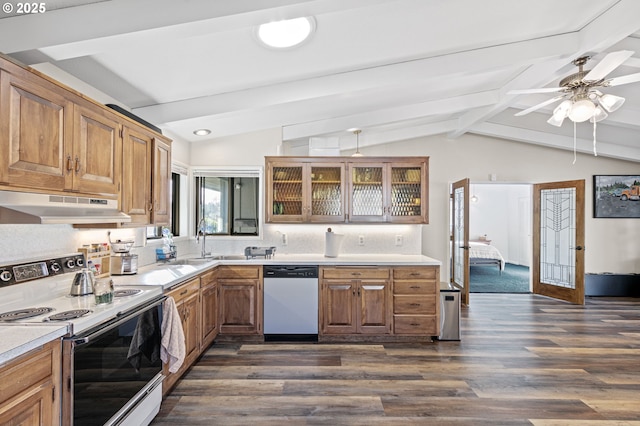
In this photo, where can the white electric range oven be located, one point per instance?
(111, 373)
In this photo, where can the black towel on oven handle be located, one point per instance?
(146, 339)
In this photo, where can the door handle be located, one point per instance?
(465, 247)
(579, 248)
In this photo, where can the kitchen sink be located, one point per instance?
(230, 257)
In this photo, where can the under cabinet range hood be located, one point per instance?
(26, 208)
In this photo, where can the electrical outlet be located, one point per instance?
(398, 240)
(360, 240)
(285, 240)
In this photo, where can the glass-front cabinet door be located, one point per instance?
(407, 202)
(305, 192)
(366, 192)
(327, 193)
(388, 192)
(286, 196)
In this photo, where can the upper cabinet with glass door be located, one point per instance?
(300, 191)
(393, 190)
(359, 190)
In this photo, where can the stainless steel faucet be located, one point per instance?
(202, 231)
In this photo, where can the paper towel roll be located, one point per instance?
(332, 243)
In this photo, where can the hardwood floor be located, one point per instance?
(522, 360)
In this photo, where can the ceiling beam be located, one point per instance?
(604, 149)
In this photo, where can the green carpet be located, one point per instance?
(487, 279)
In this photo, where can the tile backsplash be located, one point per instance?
(24, 242)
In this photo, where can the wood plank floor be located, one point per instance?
(523, 360)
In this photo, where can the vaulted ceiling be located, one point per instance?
(397, 69)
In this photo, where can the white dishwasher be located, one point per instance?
(290, 303)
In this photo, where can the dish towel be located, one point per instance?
(146, 339)
(172, 349)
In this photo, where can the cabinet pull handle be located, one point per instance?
(414, 304)
(77, 165)
(415, 286)
(69, 164)
(150, 206)
(358, 292)
(415, 324)
(183, 292)
(414, 274)
(356, 273)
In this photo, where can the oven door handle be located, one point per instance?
(121, 317)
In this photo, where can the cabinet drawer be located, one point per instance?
(185, 290)
(414, 324)
(412, 273)
(415, 287)
(422, 305)
(239, 272)
(354, 273)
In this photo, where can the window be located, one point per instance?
(227, 202)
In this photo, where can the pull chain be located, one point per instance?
(595, 153)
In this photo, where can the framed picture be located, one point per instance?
(616, 196)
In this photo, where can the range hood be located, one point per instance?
(26, 207)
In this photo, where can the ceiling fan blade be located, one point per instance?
(624, 79)
(610, 62)
(540, 105)
(540, 90)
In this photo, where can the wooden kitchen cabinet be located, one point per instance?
(146, 175)
(52, 139)
(416, 300)
(209, 307)
(240, 299)
(30, 391)
(161, 182)
(388, 190)
(305, 191)
(187, 300)
(362, 189)
(355, 301)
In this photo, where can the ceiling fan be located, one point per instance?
(582, 98)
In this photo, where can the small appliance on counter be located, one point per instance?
(82, 283)
(122, 261)
(253, 252)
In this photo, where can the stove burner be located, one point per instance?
(68, 315)
(126, 292)
(23, 314)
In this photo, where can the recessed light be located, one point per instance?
(287, 33)
(201, 132)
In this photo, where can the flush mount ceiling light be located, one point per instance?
(286, 34)
(201, 132)
(582, 99)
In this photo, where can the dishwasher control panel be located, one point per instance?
(290, 271)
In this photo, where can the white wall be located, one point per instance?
(503, 213)
(612, 245)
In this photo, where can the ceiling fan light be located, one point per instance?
(556, 120)
(611, 102)
(582, 110)
(599, 114)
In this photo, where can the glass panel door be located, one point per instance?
(327, 197)
(460, 238)
(366, 193)
(287, 192)
(559, 240)
(406, 194)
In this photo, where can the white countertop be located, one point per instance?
(16, 340)
(170, 274)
